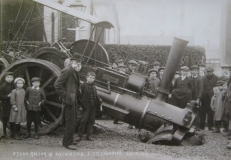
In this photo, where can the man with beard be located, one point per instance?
(209, 82)
(67, 85)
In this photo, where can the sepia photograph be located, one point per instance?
(115, 79)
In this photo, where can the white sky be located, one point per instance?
(197, 18)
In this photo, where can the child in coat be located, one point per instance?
(218, 106)
(90, 103)
(18, 110)
(35, 97)
(5, 92)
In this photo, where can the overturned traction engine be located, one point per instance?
(123, 100)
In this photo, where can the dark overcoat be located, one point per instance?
(5, 90)
(197, 88)
(208, 84)
(67, 85)
(182, 92)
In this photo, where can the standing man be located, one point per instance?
(160, 73)
(197, 90)
(225, 73)
(209, 81)
(67, 85)
(182, 89)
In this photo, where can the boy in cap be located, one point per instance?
(35, 97)
(5, 92)
(154, 82)
(182, 89)
(209, 81)
(90, 103)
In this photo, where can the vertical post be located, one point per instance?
(1, 36)
(52, 27)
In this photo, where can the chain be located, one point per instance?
(108, 129)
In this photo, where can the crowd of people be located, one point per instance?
(199, 83)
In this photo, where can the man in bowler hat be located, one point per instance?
(67, 85)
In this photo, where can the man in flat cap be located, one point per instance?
(209, 81)
(226, 72)
(160, 73)
(67, 85)
(197, 89)
(182, 89)
(132, 65)
(156, 65)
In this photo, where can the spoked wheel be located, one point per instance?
(51, 54)
(47, 72)
(99, 57)
(3, 64)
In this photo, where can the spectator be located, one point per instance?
(67, 62)
(5, 93)
(35, 97)
(18, 110)
(182, 89)
(160, 73)
(132, 65)
(201, 73)
(67, 85)
(218, 105)
(154, 82)
(156, 65)
(209, 82)
(197, 90)
(90, 102)
(202, 66)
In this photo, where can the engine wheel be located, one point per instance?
(3, 64)
(47, 72)
(52, 55)
(99, 57)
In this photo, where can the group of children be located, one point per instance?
(20, 105)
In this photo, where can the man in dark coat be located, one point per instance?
(182, 89)
(197, 90)
(67, 85)
(209, 82)
(5, 91)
